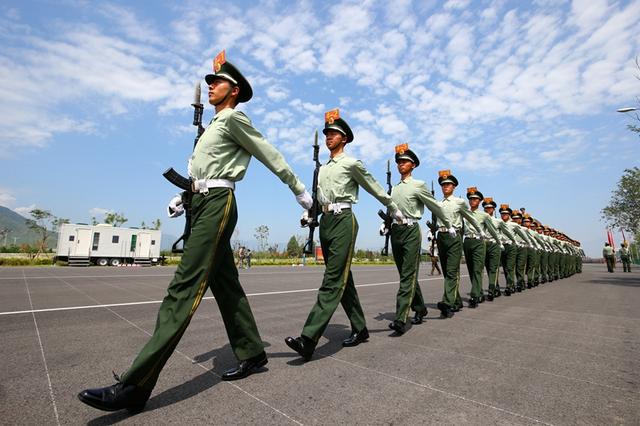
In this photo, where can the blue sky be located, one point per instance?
(516, 98)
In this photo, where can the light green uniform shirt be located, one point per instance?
(531, 240)
(519, 232)
(227, 145)
(455, 209)
(504, 231)
(412, 196)
(623, 252)
(535, 238)
(607, 251)
(340, 178)
(484, 220)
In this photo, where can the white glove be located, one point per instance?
(304, 219)
(452, 231)
(383, 230)
(175, 207)
(398, 216)
(483, 235)
(501, 247)
(305, 200)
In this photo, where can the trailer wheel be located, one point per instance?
(114, 262)
(102, 261)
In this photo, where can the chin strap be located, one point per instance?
(225, 97)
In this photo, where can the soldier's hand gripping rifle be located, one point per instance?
(386, 217)
(185, 183)
(312, 218)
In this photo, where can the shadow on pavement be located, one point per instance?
(178, 393)
(625, 279)
(335, 333)
(223, 359)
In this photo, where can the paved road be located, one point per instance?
(563, 353)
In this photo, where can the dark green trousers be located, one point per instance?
(492, 264)
(474, 252)
(521, 265)
(337, 238)
(508, 261)
(531, 265)
(626, 264)
(207, 262)
(551, 269)
(579, 264)
(544, 266)
(450, 251)
(406, 243)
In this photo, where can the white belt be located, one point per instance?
(336, 208)
(202, 186)
(406, 221)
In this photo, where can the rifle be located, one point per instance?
(314, 211)
(388, 221)
(185, 183)
(432, 224)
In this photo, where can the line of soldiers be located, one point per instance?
(220, 160)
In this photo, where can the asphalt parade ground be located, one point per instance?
(564, 353)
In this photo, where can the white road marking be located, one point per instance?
(151, 302)
(44, 360)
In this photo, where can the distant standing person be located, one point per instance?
(247, 257)
(609, 258)
(625, 257)
(241, 255)
(433, 253)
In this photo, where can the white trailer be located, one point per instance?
(103, 244)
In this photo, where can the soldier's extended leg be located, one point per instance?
(531, 259)
(544, 258)
(492, 264)
(450, 250)
(406, 242)
(521, 266)
(474, 253)
(508, 261)
(206, 254)
(337, 237)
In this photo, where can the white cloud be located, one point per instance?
(99, 211)
(277, 93)
(365, 116)
(457, 4)
(6, 197)
(25, 211)
(129, 23)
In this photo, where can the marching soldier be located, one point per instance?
(508, 257)
(532, 254)
(495, 248)
(625, 257)
(607, 253)
(544, 261)
(449, 241)
(411, 196)
(219, 160)
(474, 245)
(522, 249)
(338, 183)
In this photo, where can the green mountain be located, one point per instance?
(18, 232)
